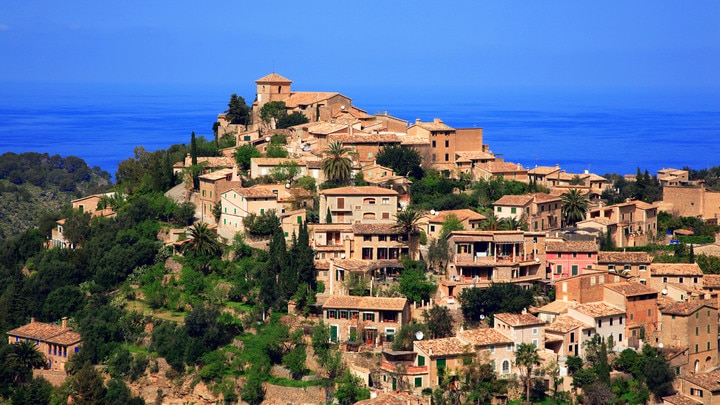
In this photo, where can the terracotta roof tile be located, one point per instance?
(710, 381)
(483, 337)
(443, 347)
(375, 229)
(434, 126)
(598, 309)
(680, 399)
(686, 308)
(370, 138)
(47, 332)
(566, 323)
(631, 289)
(519, 319)
(273, 78)
(624, 258)
(256, 192)
(461, 214)
(365, 303)
(514, 200)
(500, 167)
(307, 97)
(571, 246)
(675, 269)
(544, 170)
(711, 280)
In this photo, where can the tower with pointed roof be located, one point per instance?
(272, 87)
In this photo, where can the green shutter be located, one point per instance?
(421, 360)
(334, 333)
(418, 381)
(440, 363)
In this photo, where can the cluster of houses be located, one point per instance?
(622, 296)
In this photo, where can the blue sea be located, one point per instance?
(602, 131)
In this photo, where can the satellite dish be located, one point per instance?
(664, 291)
(432, 212)
(267, 139)
(660, 345)
(342, 107)
(419, 335)
(537, 260)
(342, 255)
(482, 317)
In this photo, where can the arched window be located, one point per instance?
(370, 201)
(505, 367)
(697, 365)
(369, 215)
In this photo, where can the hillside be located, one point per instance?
(33, 184)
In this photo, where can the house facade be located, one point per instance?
(56, 342)
(366, 204)
(633, 223)
(693, 325)
(480, 258)
(369, 320)
(569, 258)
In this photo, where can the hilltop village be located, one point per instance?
(538, 294)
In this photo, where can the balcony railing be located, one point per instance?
(409, 369)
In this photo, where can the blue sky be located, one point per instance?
(323, 45)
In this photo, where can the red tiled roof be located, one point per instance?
(375, 229)
(566, 323)
(631, 289)
(598, 309)
(483, 337)
(685, 308)
(443, 347)
(624, 257)
(710, 381)
(571, 246)
(273, 78)
(519, 319)
(365, 303)
(675, 269)
(47, 332)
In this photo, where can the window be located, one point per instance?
(369, 316)
(432, 228)
(499, 209)
(611, 267)
(440, 363)
(574, 268)
(559, 255)
(492, 348)
(505, 367)
(642, 267)
(509, 347)
(697, 331)
(708, 345)
(696, 348)
(611, 321)
(447, 157)
(447, 143)
(572, 337)
(574, 254)
(664, 280)
(558, 269)
(434, 144)
(649, 312)
(418, 381)
(620, 320)
(620, 337)
(680, 280)
(385, 201)
(421, 360)
(513, 210)
(599, 323)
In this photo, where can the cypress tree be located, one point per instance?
(193, 161)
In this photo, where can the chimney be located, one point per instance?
(417, 121)
(64, 322)
(437, 121)
(32, 320)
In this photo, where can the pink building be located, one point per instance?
(569, 258)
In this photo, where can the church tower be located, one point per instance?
(272, 87)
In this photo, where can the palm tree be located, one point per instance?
(574, 206)
(491, 223)
(337, 165)
(512, 224)
(407, 222)
(25, 356)
(526, 357)
(203, 241)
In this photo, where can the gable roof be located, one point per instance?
(556, 307)
(514, 200)
(685, 308)
(710, 380)
(461, 214)
(376, 229)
